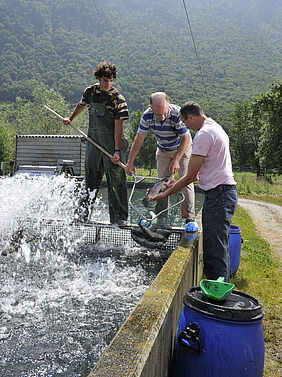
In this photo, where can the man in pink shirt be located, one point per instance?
(210, 163)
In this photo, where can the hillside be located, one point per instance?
(59, 43)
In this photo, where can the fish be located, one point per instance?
(141, 240)
(151, 235)
(158, 187)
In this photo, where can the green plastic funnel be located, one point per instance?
(216, 289)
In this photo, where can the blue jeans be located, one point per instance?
(219, 206)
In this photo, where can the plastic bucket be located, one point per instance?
(234, 249)
(219, 339)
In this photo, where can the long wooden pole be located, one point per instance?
(85, 136)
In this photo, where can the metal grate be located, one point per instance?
(105, 234)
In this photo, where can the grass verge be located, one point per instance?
(252, 187)
(259, 276)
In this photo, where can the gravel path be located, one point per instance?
(267, 218)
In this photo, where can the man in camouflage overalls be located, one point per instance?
(107, 111)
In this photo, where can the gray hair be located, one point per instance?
(158, 95)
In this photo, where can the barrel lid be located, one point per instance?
(234, 229)
(238, 306)
(192, 226)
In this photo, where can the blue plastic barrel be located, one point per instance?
(219, 339)
(234, 249)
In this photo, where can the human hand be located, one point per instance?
(129, 169)
(159, 196)
(166, 193)
(174, 166)
(66, 121)
(115, 158)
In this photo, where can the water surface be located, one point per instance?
(61, 299)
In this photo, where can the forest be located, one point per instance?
(51, 48)
(59, 43)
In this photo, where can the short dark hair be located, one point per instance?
(190, 108)
(105, 69)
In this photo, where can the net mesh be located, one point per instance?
(168, 210)
(105, 234)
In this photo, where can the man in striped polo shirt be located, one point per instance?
(174, 145)
(107, 111)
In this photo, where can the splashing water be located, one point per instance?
(61, 299)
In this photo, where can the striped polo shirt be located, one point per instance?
(115, 102)
(169, 132)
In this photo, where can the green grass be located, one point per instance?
(249, 186)
(142, 172)
(259, 276)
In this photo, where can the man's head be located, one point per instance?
(192, 115)
(159, 103)
(105, 72)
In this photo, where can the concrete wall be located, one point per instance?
(144, 344)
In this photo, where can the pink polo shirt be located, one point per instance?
(212, 142)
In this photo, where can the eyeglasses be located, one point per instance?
(162, 114)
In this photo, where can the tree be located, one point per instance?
(6, 142)
(146, 157)
(256, 133)
(268, 108)
(30, 116)
(60, 42)
(244, 134)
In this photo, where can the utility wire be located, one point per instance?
(195, 47)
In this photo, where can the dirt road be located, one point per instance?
(267, 218)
